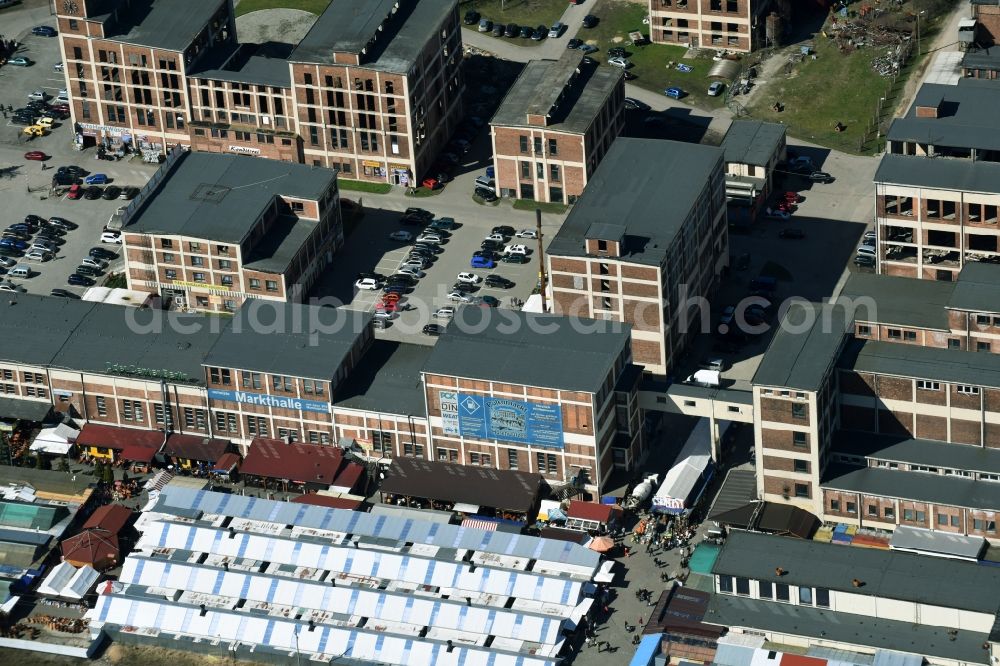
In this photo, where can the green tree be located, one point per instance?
(64, 464)
(108, 475)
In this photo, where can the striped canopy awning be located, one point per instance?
(480, 524)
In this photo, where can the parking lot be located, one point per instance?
(25, 185)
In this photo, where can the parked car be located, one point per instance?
(864, 260)
(794, 234)
(75, 192)
(527, 233)
(93, 192)
(420, 213)
(89, 271)
(590, 21)
(111, 192)
(368, 284)
(7, 262)
(102, 253)
(621, 63)
(36, 156)
(410, 270)
(21, 61)
(112, 237)
(485, 182)
(499, 30)
(485, 25)
(496, 238)
(715, 88)
(574, 43)
(94, 263)
(36, 254)
(498, 281)
(489, 196)
(44, 31)
(525, 32)
(540, 33)
(433, 329)
(63, 293)
(404, 236)
(820, 177)
(459, 297)
(617, 52)
(129, 193)
(514, 258)
(446, 312)
(632, 103)
(96, 179)
(38, 95)
(516, 249)
(62, 223)
(587, 48)
(11, 287)
(471, 17)
(431, 183)
(491, 301)
(464, 287)
(469, 278)
(14, 244)
(431, 237)
(557, 29)
(443, 223)
(675, 93)
(479, 261)
(512, 30)
(35, 130)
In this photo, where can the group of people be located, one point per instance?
(8, 47)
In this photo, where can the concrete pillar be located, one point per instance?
(713, 429)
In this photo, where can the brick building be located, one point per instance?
(647, 236)
(373, 89)
(890, 413)
(934, 216)
(554, 126)
(216, 230)
(982, 57)
(735, 25)
(753, 150)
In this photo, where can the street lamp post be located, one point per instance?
(918, 30)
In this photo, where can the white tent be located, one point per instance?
(58, 440)
(69, 582)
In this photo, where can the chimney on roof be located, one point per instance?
(858, 582)
(929, 110)
(778, 571)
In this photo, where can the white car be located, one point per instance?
(715, 89)
(469, 278)
(487, 182)
(111, 237)
(459, 297)
(527, 233)
(412, 271)
(11, 287)
(382, 314)
(447, 312)
(94, 263)
(36, 254)
(496, 238)
(38, 95)
(404, 236)
(43, 245)
(416, 262)
(430, 238)
(7, 262)
(619, 62)
(516, 249)
(369, 284)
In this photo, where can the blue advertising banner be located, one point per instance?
(532, 423)
(264, 400)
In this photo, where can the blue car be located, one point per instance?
(482, 262)
(13, 243)
(675, 93)
(96, 179)
(44, 31)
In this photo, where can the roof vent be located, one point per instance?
(184, 344)
(778, 571)
(857, 582)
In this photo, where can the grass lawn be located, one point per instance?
(521, 12)
(312, 6)
(364, 186)
(423, 192)
(835, 87)
(617, 19)
(527, 204)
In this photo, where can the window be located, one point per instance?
(889, 513)
(166, 243)
(168, 258)
(873, 510)
(254, 283)
(553, 147)
(781, 592)
(554, 173)
(834, 505)
(822, 597)
(194, 247)
(726, 584)
(983, 320)
(907, 514)
(525, 169)
(511, 459)
(921, 516)
(159, 412)
(968, 390)
(222, 249)
(909, 336)
(220, 376)
(473, 458)
(955, 520)
(926, 385)
(982, 346)
(984, 525)
(766, 589)
(852, 507)
(894, 334)
(864, 330)
(132, 410)
(798, 411)
(199, 277)
(538, 145)
(251, 380)
(289, 434)
(799, 439)
(942, 519)
(257, 425)
(954, 343)
(547, 463)
(225, 422)
(806, 596)
(225, 264)
(271, 285)
(282, 383)
(102, 406)
(802, 490)
(524, 143)
(800, 466)
(743, 586)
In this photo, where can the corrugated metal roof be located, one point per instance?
(933, 542)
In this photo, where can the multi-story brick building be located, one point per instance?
(886, 412)
(216, 230)
(648, 235)
(982, 57)
(753, 150)
(554, 126)
(735, 25)
(373, 89)
(934, 216)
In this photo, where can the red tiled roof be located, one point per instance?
(302, 463)
(602, 513)
(227, 461)
(94, 547)
(118, 438)
(195, 447)
(138, 453)
(328, 501)
(801, 660)
(349, 477)
(111, 518)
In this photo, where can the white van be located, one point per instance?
(20, 271)
(706, 378)
(867, 250)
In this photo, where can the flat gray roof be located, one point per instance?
(387, 380)
(899, 300)
(977, 288)
(966, 116)
(939, 173)
(912, 450)
(258, 70)
(752, 141)
(280, 245)
(901, 360)
(219, 197)
(650, 187)
(546, 351)
(982, 59)
(160, 24)
(885, 574)
(571, 94)
(851, 629)
(738, 490)
(905, 537)
(799, 359)
(289, 339)
(90, 337)
(348, 26)
(915, 486)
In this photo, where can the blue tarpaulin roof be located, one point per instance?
(648, 648)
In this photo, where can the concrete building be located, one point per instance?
(215, 230)
(647, 237)
(373, 89)
(821, 596)
(734, 25)
(554, 126)
(752, 151)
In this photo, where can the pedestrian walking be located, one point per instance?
(627, 551)
(600, 646)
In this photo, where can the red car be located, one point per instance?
(389, 306)
(36, 155)
(793, 197)
(75, 192)
(786, 206)
(390, 298)
(431, 183)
